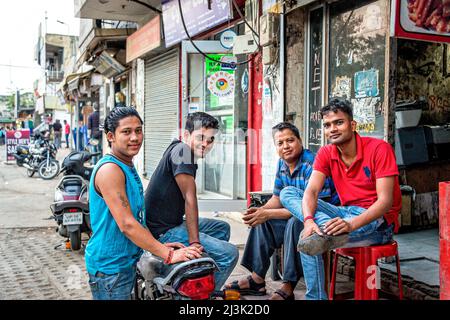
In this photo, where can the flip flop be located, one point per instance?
(253, 290)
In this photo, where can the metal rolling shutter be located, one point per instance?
(161, 107)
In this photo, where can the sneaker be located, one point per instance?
(316, 244)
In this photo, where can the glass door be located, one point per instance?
(211, 87)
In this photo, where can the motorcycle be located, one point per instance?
(71, 207)
(192, 280)
(39, 156)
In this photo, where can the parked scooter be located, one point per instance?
(71, 206)
(192, 279)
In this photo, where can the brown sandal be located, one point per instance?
(284, 295)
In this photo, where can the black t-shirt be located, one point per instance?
(57, 127)
(164, 202)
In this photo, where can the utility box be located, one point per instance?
(269, 55)
(269, 28)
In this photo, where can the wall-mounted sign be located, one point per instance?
(221, 84)
(144, 40)
(244, 82)
(197, 17)
(421, 20)
(227, 39)
(107, 65)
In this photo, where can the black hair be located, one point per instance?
(285, 125)
(112, 120)
(199, 120)
(338, 104)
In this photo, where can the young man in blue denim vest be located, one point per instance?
(272, 225)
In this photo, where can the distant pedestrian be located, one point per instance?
(67, 133)
(57, 133)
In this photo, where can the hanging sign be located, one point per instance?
(421, 20)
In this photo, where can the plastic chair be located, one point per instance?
(365, 260)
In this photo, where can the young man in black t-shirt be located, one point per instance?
(172, 193)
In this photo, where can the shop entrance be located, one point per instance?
(217, 89)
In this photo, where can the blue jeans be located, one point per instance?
(214, 236)
(376, 232)
(112, 287)
(265, 238)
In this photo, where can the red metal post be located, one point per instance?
(444, 239)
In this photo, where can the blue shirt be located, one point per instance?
(300, 177)
(109, 250)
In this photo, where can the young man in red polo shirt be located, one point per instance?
(365, 174)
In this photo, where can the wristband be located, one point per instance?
(194, 242)
(169, 257)
(308, 218)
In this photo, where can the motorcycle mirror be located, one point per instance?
(93, 142)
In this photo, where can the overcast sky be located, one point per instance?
(19, 23)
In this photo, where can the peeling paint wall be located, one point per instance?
(423, 70)
(295, 67)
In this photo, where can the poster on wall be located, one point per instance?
(427, 20)
(366, 84)
(220, 81)
(364, 113)
(342, 87)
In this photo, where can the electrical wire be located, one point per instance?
(204, 54)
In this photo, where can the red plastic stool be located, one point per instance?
(365, 258)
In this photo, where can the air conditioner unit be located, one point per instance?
(245, 44)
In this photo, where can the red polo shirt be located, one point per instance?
(356, 185)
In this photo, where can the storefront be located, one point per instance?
(399, 87)
(209, 81)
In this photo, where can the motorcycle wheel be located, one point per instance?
(48, 172)
(75, 240)
(30, 172)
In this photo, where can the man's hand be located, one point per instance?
(337, 226)
(255, 216)
(310, 227)
(186, 254)
(175, 245)
(197, 245)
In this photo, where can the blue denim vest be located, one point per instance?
(109, 250)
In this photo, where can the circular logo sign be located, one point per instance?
(227, 39)
(17, 134)
(221, 83)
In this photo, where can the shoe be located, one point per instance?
(316, 244)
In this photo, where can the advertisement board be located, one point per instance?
(427, 20)
(197, 16)
(13, 139)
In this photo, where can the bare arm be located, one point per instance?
(186, 183)
(385, 193)
(110, 181)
